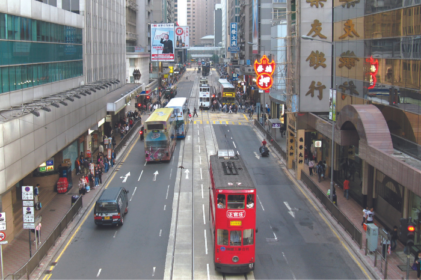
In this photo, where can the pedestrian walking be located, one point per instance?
(77, 166)
(91, 179)
(370, 216)
(190, 118)
(364, 215)
(38, 233)
(320, 170)
(100, 174)
(394, 237)
(346, 189)
(230, 109)
(195, 112)
(96, 176)
(114, 142)
(310, 167)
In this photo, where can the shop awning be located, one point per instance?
(119, 98)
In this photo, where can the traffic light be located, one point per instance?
(411, 234)
(139, 105)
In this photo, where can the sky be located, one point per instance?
(182, 12)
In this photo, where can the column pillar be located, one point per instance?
(368, 182)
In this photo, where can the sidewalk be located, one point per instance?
(396, 268)
(16, 253)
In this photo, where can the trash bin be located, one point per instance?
(74, 198)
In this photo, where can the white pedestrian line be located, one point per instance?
(202, 189)
(201, 177)
(168, 188)
(231, 138)
(99, 272)
(198, 132)
(276, 238)
(204, 219)
(256, 155)
(198, 140)
(153, 272)
(200, 159)
(238, 153)
(199, 149)
(207, 265)
(260, 202)
(145, 163)
(165, 207)
(206, 243)
(170, 173)
(289, 209)
(115, 234)
(187, 173)
(234, 144)
(135, 188)
(140, 176)
(160, 232)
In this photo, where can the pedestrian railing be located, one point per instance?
(337, 214)
(271, 140)
(36, 258)
(123, 141)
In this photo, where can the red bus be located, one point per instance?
(232, 213)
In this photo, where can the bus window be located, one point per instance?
(236, 201)
(221, 201)
(250, 201)
(222, 238)
(248, 237)
(235, 238)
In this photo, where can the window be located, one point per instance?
(222, 237)
(250, 201)
(235, 238)
(71, 5)
(236, 201)
(49, 2)
(248, 237)
(155, 126)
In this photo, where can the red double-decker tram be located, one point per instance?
(233, 213)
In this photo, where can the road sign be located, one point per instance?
(28, 225)
(2, 235)
(276, 125)
(27, 193)
(27, 203)
(2, 221)
(233, 49)
(3, 242)
(248, 62)
(28, 214)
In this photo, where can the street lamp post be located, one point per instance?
(264, 52)
(333, 124)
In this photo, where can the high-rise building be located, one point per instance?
(218, 26)
(62, 62)
(200, 19)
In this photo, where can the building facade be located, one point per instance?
(61, 61)
(200, 19)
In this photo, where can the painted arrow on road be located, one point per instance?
(289, 209)
(125, 177)
(156, 173)
(187, 173)
(256, 155)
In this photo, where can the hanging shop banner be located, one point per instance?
(332, 105)
(162, 43)
(182, 37)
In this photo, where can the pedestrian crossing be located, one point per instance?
(221, 122)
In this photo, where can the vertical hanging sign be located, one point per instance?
(233, 37)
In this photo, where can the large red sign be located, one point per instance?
(264, 71)
(238, 214)
(374, 68)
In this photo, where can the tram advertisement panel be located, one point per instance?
(162, 43)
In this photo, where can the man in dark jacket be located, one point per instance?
(168, 47)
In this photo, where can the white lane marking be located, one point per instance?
(170, 173)
(187, 173)
(256, 155)
(293, 275)
(153, 272)
(165, 207)
(198, 140)
(145, 163)
(207, 265)
(234, 144)
(200, 159)
(276, 238)
(160, 232)
(168, 188)
(260, 202)
(140, 176)
(99, 272)
(115, 234)
(125, 177)
(231, 138)
(135, 188)
(199, 149)
(289, 209)
(204, 219)
(156, 173)
(206, 243)
(188, 137)
(228, 130)
(201, 177)
(198, 132)
(202, 189)
(238, 153)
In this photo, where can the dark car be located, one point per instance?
(111, 207)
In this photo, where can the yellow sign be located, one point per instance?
(316, 27)
(349, 28)
(228, 94)
(171, 69)
(235, 223)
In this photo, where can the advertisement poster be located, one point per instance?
(182, 37)
(255, 30)
(162, 43)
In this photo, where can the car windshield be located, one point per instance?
(106, 207)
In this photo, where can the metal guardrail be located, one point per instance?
(122, 143)
(271, 140)
(35, 260)
(334, 210)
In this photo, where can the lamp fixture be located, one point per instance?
(69, 98)
(55, 105)
(35, 113)
(87, 92)
(46, 109)
(77, 96)
(63, 103)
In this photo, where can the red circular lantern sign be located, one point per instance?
(264, 71)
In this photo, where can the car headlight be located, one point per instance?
(235, 259)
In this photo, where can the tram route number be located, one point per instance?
(235, 223)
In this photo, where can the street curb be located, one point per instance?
(60, 242)
(351, 244)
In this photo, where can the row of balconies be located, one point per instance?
(131, 36)
(131, 4)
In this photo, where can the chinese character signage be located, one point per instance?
(162, 42)
(264, 71)
(233, 34)
(373, 69)
(182, 37)
(239, 214)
